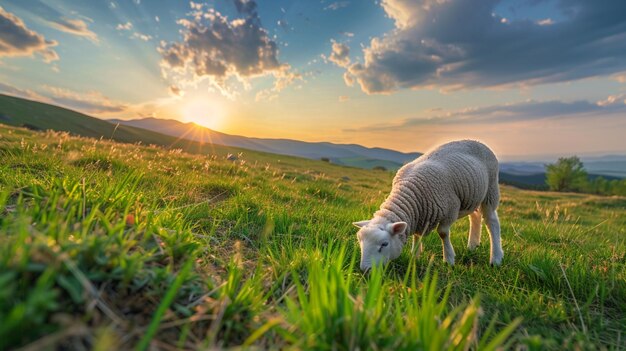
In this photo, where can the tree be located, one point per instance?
(567, 174)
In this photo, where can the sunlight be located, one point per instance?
(204, 112)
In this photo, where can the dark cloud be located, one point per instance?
(57, 19)
(17, 40)
(246, 7)
(218, 48)
(522, 111)
(464, 43)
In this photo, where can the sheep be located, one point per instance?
(454, 180)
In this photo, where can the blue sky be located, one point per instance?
(532, 78)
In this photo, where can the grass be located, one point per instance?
(40, 116)
(120, 246)
(367, 163)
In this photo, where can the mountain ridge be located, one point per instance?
(347, 154)
(42, 116)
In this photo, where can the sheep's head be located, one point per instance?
(380, 242)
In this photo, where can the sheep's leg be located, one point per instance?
(417, 239)
(474, 231)
(448, 250)
(493, 226)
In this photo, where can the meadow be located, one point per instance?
(109, 246)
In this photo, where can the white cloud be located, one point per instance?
(90, 101)
(337, 5)
(176, 91)
(74, 26)
(340, 54)
(125, 26)
(23, 93)
(221, 50)
(545, 22)
(141, 36)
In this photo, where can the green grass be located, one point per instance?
(120, 246)
(368, 163)
(40, 116)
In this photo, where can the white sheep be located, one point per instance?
(454, 180)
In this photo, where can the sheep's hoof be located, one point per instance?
(496, 262)
(473, 247)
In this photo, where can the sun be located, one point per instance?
(204, 112)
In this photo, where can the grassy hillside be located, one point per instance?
(367, 163)
(40, 116)
(312, 150)
(116, 246)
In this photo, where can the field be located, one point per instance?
(118, 246)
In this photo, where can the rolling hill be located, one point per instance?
(111, 246)
(344, 154)
(40, 116)
(193, 138)
(35, 115)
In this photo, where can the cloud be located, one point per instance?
(613, 100)
(128, 26)
(23, 93)
(530, 110)
(340, 54)
(457, 44)
(56, 18)
(246, 7)
(176, 91)
(337, 5)
(141, 36)
(216, 48)
(90, 101)
(17, 40)
(620, 77)
(74, 26)
(284, 25)
(125, 26)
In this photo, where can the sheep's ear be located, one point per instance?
(360, 224)
(397, 228)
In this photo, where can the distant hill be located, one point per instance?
(611, 166)
(344, 154)
(196, 139)
(41, 116)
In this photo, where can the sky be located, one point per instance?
(531, 78)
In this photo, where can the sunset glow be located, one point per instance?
(203, 112)
(394, 74)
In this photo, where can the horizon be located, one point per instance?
(535, 80)
(506, 158)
